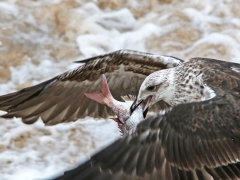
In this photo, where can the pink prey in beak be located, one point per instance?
(126, 123)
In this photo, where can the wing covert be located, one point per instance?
(62, 99)
(165, 149)
(197, 140)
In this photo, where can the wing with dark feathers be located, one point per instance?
(223, 77)
(62, 99)
(198, 140)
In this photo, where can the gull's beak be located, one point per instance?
(135, 104)
(149, 103)
(145, 112)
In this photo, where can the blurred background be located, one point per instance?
(40, 39)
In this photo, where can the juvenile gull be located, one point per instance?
(62, 98)
(197, 138)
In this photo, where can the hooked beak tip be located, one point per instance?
(145, 111)
(135, 104)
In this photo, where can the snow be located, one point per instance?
(183, 29)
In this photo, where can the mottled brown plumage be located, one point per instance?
(62, 98)
(196, 140)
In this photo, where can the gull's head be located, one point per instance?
(156, 87)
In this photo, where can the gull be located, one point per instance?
(195, 135)
(62, 98)
(196, 138)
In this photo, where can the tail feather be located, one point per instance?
(104, 96)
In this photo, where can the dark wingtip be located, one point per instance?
(84, 60)
(79, 61)
(89, 59)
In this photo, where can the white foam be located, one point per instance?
(36, 151)
(9, 8)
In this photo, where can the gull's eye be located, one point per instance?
(151, 88)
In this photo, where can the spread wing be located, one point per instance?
(199, 144)
(62, 99)
(199, 140)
